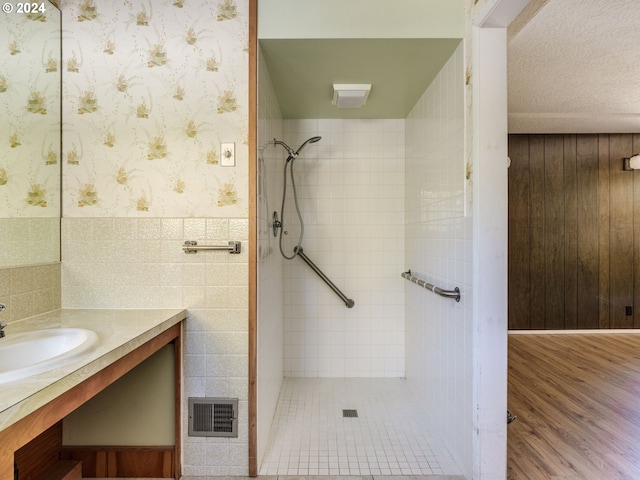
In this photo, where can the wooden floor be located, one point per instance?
(577, 402)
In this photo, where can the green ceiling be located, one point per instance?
(400, 70)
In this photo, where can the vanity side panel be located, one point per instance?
(41, 454)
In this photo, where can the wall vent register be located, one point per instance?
(213, 417)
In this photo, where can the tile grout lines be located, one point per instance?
(311, 437)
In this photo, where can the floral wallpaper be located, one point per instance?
(151, 89)
(30, 113)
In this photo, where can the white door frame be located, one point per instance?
(488, 145)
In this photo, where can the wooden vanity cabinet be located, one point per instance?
(46, 420)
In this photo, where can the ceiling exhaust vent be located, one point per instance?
(213, 417)
(350, 95)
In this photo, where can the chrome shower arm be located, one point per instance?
(286, 147)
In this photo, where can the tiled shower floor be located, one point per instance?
(390, 436)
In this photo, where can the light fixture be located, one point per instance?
(350, 95)
(632, 163)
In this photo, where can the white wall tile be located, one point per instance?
(350, 198)
(438, 240)
(270, 263)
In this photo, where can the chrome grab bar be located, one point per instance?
(191, 246)
(455, 293)
(347, 301)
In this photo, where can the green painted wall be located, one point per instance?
(136, 410)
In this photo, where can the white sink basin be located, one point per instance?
(30, 353)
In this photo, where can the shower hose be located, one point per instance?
(289, 163)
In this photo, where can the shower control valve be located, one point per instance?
(276, 224)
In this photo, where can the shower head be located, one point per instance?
(290, 151)
(311, 140)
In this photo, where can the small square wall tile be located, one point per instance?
(195, 228)
(217, 229)
(125, 229)
(172, 229)
(102, 228)
(238, 229)
(149, 228)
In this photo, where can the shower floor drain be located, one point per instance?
(349, 413)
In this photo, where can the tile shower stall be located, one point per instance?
(377, 197)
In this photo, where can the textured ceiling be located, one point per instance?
(400, 70)
(575, 68)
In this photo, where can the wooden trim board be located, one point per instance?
(128, 462)
(253, 239)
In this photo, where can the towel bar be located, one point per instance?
(191, 246)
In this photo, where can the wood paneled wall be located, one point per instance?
(574, 232)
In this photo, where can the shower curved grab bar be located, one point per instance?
(455, 293)
(349, 303)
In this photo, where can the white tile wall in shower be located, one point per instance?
(439, 248)
(270, 263)
(351, 194)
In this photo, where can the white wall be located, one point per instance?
(489, 157)
(351, 193)
(361, 19)
(270, 335)
(439, 249)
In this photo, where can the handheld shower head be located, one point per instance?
(311, 140)
(290, 151)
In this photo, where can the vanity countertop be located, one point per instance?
(119, 333)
